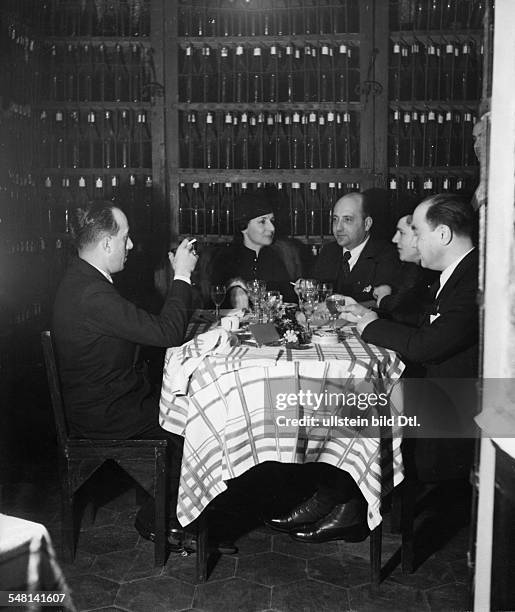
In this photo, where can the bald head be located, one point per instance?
(351, 223)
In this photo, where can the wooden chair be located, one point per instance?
(79, 460)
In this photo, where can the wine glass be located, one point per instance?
(324, 291)
(273, 303)
(256, 290)
(218, 296)
(335, 302)
(308, 306)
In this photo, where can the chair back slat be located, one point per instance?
(54, 384)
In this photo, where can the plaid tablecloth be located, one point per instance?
(226, 413)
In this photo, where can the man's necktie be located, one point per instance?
(343, 272)
(433, 290)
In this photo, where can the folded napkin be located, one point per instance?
(181, 362)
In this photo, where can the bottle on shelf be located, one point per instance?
(108, 141)
(281, 143)
(327, 140)
(124, 140)
(85, 76)
(197, 210)
(227, 144)
(256, 76)
(271, 76)
(416, 156)
(241, 151)
(346, 144)
(405, 140)
(314, 210)
(297, 211)
(141, 142)
(207, 76)
(136, 79)
(121, 75)
(312, 142)
(310, 69)
(296, 140)
(241, 82)
(73, 142)
(326, 75)
(70, 74)
(394, 85)
(210, 143)
(59, 158)
(269, 151)
(225, 77)
(227, 209)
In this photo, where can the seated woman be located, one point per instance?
(253, 253)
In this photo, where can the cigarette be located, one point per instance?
(192, 241)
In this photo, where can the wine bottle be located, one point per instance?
(296, 143)
(297, 211)
(242, 143)
(141, 143)
(256, 76)
(327, 141)
(312, 142)
(226, 85)
(326, 82)
(210, 143)
(227, 143)
(240, 75)
(123, 140)
(121, 76)
(271, 77)
(405, 140)
(60, 158)
(311, 87)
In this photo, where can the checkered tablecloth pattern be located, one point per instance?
(227, 415)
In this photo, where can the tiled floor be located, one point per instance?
(114, 568)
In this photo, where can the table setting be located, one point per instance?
(219, 389)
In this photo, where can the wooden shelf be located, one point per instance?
(268, 41)
(435, 170)
(435, 105)
(319, 175)
(95, 40)
(267, 106)
(93, 105)
(91, 171)
(435, 36)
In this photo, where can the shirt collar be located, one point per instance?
(447, 273)
(103, 272)
(356, 251)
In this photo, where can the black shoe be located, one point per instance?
(306, 513)
(346, 522)
(147, 533)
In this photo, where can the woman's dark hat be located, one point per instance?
(251, 205)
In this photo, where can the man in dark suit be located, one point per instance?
(412, 295)
(97, 333)
(444, 342)
(355, 263)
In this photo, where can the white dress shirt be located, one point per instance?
(356, 252)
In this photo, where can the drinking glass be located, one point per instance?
(218, 296)
(273, 301)
(324, 291)
(256, 290)
(335, 303)
(308, 306)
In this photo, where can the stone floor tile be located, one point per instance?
(389, 597)
(81, 565)
(309, 596)
(455, 597)
(254, 542)
(220, 567)
(114, 565)
(432, 573)
(142, 566)
(284, 544)
(347, 572)
(156, 594)
(92, 591)
(271, 568)
(110, 538)
(233, 595)
(390, 548)
(103, 516)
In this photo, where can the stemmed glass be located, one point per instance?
(257, 291)
(218, 296)
(273, 303)
(335, 303)
(308, 305)
(324, 291)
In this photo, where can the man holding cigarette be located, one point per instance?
(97, 334)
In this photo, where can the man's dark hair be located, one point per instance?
(90, 224)
(452, 210)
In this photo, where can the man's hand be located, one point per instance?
(239, 297)
(184, 261)
(381, 291)
(361, 315)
